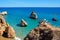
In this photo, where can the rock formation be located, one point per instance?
(33, 15)
(23, 23)
(44, 32)
(3, 13)
(5, 29)
(54, 19)
(9, 32)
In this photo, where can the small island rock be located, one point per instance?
(10, 32)
(23, 23)
(54, 19)
(33, 15)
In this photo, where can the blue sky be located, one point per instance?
(29, 3)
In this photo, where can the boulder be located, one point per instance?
(23, 23)
(33, 15)
(11, 32)
(54, 19)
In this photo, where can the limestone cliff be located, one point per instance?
(5, 29)
(44, 31)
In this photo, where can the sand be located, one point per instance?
(3, 38)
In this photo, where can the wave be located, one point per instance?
(16, 38)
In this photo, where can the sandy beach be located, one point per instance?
(3, 38)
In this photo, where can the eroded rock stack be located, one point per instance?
(33, 15)
(23, 23)
(5, 29)
(44, 32)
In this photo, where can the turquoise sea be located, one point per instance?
(15, 15)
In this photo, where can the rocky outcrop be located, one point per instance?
(44, 32)
(54, 19)
(3, 13)
(2, 21)
(23, 23)
(9, 32)
(5, 29)
(33, 15)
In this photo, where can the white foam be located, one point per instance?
(16, 38)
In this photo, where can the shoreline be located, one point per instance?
(44, 31)
(4, 38)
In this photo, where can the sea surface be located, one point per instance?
(15, 14)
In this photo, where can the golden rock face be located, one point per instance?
(5, 29)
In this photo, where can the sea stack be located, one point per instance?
(33, 15)
(54, 19)
(23, 23)
(5, 29)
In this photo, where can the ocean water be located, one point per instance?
(15, 15)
